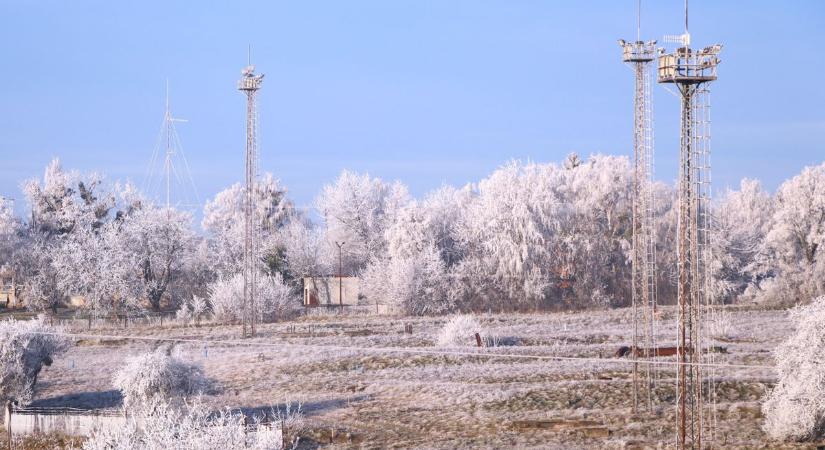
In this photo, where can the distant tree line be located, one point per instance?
(528, 237)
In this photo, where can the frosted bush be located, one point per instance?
(273, 297)
(721, 325)
(795, 409)
(193, 427)
(192, 310)
(157, 376)
(23, 353)
(460, 331)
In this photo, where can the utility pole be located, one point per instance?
(340, 274)
(249, 85)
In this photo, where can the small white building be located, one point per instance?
(323, 290)
(9, 289)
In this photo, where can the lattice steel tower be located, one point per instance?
(691, 71)
(639, 56)
(249, 84)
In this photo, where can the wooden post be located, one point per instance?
(8, 421)
(478, 340)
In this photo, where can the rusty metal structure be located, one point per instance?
(639, 56)
(691, 71)
(249, 84)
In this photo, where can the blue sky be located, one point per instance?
(424, 91)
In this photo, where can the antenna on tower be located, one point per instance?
(639, 21)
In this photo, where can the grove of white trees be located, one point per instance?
(528, 237)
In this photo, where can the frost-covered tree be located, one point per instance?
(430, 223)
(69, 213)
(415, 284)
(92, 263)
(597, 239)
(66, 199)
(306, 251)
(795, 409)
(357, 210)
(412, 276)
(158, 242)
(743, 219)
(11, 229)
(39, 278)
(25, 347)
(507, 236)
(797, 238)
(158, 377)
(541, 235)
(223, 219)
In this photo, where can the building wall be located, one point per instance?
(323, 291)
(8, 292)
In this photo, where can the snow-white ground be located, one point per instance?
(340, 368)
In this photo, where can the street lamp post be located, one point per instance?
(340, 274)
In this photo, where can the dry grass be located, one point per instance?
(363, 399)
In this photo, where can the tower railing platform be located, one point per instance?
(688, 66)
(638, 51)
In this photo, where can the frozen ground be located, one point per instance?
(355, 393)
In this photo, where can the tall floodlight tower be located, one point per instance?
(249, 84)
(638, 56)
(691, 71)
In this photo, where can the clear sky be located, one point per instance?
(424, 91)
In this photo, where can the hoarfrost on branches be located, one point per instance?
(223, 219)
(192, 427)
(150, 378)
(797, 239)
(25, 347)
(275, 300)
(159, 242)
(460, 331)
(357, 209)
(743, 220)
(795, 409)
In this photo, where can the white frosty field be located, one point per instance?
(355, 395)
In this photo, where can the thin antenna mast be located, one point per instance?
(639, 21)
(160, 183)
(169, 149)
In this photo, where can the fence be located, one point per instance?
(22, 421)
(67, 421)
